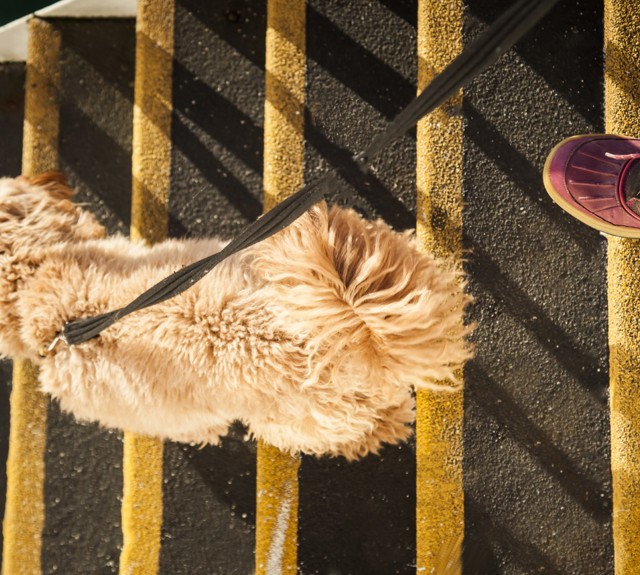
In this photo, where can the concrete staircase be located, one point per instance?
(192, 120)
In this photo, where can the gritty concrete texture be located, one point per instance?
(150, 172)
(284, 100)
(41, 109)
(96, 107)
(83, 494)
(276, 511)
(622, 116)
(536, 428)
(536, 438)
(216, 188)
(361, 71)
(141, 505)
(152, 121)
(218, 103)
(209, 508)
(25, 504)
(439, 493)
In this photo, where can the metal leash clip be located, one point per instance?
(43, 352)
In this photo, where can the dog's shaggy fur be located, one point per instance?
(314, 338)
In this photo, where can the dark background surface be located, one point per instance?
(536, 466)
(14, 9)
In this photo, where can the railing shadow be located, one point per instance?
(97, 70)
(359, 517)
(576, 25)
(218, 114)
(536, 469)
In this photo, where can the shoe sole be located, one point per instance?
(591, 221)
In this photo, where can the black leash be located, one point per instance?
(514, 23)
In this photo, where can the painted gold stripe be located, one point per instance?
(41, 105)
(151, 166)
(622, 116)
(439, 495)
(141, 505)
(277, 512)
(277, 473)
(152, 120)
(24, 512)
(284, 106)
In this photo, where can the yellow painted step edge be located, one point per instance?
(24, 511)
(142, 506)
(277, 472)
(622, 116)
(439, 418)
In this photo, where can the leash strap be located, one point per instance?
(514, 23)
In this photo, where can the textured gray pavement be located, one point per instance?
(536, 466)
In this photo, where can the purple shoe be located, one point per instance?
(597, 180)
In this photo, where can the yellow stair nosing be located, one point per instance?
(277, 472)
(24, 510)
(142, 503)
(622, 116)
(439, 417)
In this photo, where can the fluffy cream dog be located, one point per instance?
(314, 338)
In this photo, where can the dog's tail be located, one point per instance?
(366, 299)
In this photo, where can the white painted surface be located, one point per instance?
(90, 8)
(13, 36)
(13, 41)
(276, 548)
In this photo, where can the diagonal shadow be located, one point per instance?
(104, 171)
(514, 301)
(404, 9)
(356, 517)
(525, 175)
(229, 470)
(370, 78)
(99, 163)
(240, 23)
(367, 186)
(527, 555)
(107, 44)
(576, 27)
(216, 174)
(217, 116)
(502, 408)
